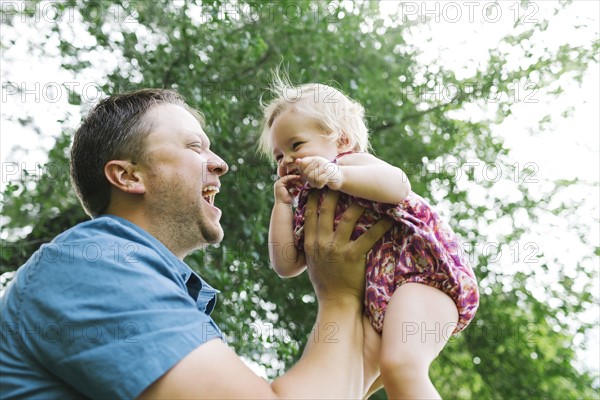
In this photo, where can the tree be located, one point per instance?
(219, 54)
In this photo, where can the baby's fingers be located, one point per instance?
(308, 164)
(302, 163)
(287, 180)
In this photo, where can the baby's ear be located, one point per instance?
(343, 141)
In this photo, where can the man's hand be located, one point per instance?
(319, 171)
(336, 265)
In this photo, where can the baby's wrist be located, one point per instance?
(281, 202)
(337, 180)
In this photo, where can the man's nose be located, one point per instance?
(217, 167)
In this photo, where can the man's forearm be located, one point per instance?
(332, 363)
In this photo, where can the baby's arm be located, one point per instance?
(358, 174)
(287, 261)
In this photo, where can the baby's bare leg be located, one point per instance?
(418, 323)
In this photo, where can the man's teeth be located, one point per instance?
(209, 193)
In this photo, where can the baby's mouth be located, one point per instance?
(294, 186)
(293, 171)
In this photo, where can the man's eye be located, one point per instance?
(295, 145)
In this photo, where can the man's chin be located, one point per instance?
(208, 240)
(214, 236)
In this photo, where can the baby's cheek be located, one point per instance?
(281, 171)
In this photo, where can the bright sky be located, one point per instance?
(458, 37)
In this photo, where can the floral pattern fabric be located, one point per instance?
(419, 248)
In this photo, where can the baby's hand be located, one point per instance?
(318, 172)
(281, 188)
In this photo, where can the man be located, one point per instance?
(108, 309)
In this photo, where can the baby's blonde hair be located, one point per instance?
(341, 118)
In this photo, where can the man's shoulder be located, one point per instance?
(98, 249)
(104, 256)
(109, 236)
(105, 227)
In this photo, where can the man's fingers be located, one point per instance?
(366, 241)
(348, 220)
(310, 217)
(326, 213)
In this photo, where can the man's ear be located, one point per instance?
(124, 175)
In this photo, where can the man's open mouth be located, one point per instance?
(209, 193)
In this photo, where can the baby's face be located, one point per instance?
(295, 136)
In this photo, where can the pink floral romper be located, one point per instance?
(419, 248)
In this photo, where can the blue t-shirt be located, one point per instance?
(102, 311)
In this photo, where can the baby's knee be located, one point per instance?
(403, 365)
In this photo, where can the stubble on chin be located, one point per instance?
(193, 227)
(183, 222)
(210, 233)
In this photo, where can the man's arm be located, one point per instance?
(332, 363)
(211, 371)
(372, 352)
(333, 358)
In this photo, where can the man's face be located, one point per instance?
(182, 178)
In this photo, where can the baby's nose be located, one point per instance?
(288, 162)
